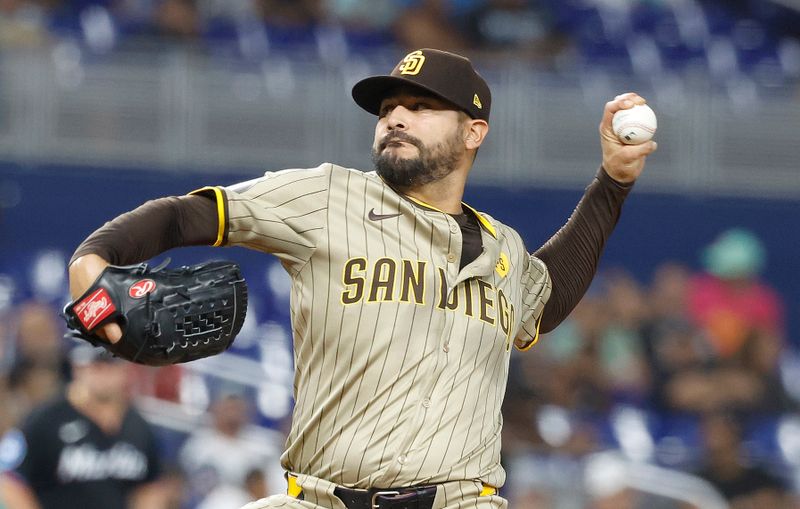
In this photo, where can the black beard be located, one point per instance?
(429, 166)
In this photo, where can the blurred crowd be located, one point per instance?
(257, 26)
(686, 372)
(645, 36)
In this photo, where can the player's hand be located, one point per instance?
(82, 274)
(624, 163)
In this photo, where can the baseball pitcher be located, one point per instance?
(406, 302)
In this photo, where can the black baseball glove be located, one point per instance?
(167, 316)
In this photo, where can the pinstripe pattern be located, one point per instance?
(390, 392)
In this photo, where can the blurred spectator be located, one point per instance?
(39, 336)
(727, 356)
(364, 15)
(726, 466)
(89, 448)
(520, 27)
(667, 295)
(290, 13)
(426, 24)
(695, 368)
(621, 347)
(226, 496)
(729, 302)
(30, 385)
(576, 378)
(39, 367)
(22, 24)
(596, 357)
(220, 459)
(177, 19)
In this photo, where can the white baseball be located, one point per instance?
(635, 125)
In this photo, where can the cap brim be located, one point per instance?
(370, 92)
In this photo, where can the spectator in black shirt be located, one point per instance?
(744, 485)
(86, 449)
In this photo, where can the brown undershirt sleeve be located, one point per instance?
(152, 228)
(573, 253)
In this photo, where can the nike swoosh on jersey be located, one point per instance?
(380, 217)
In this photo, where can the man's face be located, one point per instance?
(105, 380)
(419, 139)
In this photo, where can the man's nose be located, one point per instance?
(397, 118)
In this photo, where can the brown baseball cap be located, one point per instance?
(444, 74)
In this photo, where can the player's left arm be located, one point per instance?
(573, 253)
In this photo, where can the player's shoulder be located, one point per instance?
(494, 225)
(318, 176)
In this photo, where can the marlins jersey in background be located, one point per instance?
(70, 463)
(401, 358)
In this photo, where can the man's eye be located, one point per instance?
(420, 106)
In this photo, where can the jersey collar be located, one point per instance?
(488, 226)
(485, 223)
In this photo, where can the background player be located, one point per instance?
(89, 448)
(405, 300)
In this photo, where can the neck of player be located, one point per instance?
(445, 194)
(106, 412)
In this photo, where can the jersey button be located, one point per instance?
(446, 348)
(453, 228)
(401, 459)
(451, 257)
(426, 402)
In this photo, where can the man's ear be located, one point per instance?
(475, 132)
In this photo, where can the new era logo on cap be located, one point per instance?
(444, 74)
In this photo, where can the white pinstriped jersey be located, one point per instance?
(401, 359)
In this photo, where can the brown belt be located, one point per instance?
(419, 497)
(413, 497)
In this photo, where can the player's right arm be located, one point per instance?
(139, 235)
(15, 494)
(282, 213)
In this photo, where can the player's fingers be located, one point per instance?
(620, 102)
(626, 95)
(110, 332)
(631, 153)
(646, 148)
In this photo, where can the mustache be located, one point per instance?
(398, 136)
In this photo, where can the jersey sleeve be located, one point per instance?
(283, 213)
(536, 287)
